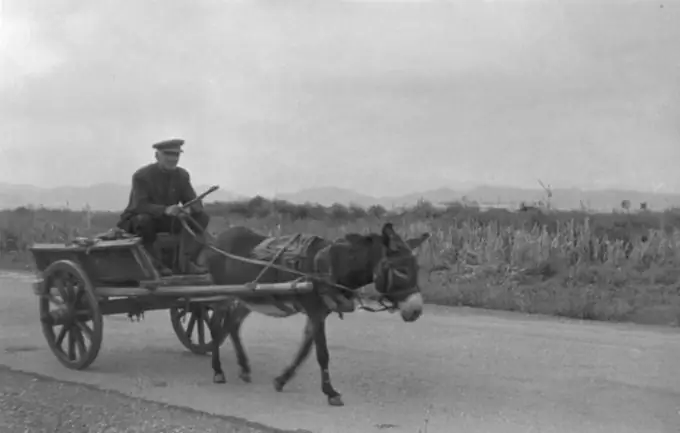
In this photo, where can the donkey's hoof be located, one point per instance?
(219, 378)
(335, 401)
(245, 377)
(279, 384)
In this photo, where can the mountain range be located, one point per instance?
(113, 197)
(565, 198)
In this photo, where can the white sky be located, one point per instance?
(381, 97)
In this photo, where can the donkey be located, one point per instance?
(352, 261)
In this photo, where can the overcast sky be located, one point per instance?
(382, 97)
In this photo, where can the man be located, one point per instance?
(157, 190)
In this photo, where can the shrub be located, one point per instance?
(573, 263)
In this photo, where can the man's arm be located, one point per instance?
(141, 198)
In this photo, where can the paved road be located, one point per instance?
(453, 370)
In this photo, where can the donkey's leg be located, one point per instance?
(237, 318)
(216, 335)
(322, 356)
(302, 354)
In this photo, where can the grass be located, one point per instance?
(611, 267)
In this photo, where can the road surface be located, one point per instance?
(453, 370)
(39, 404)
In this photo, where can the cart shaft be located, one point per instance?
(200, 291)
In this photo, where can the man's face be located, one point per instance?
(168, 159)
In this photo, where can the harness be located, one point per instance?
(292, 251)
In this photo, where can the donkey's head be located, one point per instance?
(386, 260)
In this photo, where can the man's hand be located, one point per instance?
(173, 210)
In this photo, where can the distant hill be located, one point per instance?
(114, 197)
(327, 196)
(562, 198)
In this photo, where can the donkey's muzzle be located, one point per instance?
(411, 308)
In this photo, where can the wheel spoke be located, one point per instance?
(190, 326)
(83, 315)
(71, 346)
(80, 341)
(82, 326)
(60, 337)
(201, 331)
(78, 302)
(59, 284)
(71, 291)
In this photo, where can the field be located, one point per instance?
(614, 266)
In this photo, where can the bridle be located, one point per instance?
(387, 270)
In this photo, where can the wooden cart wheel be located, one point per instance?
(70, 316)
(196, 322)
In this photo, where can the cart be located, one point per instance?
(81, 281)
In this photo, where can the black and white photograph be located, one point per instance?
(340, 216)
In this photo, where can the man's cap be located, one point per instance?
(172, 145)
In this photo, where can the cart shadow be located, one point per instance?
(158, 362)
(163, 367)
(19, 349)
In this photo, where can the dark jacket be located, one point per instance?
(154, 189)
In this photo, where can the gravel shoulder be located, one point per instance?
(34, 403)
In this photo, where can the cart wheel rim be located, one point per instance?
(70, 315)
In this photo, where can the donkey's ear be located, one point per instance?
(388, 230)
(390, 237)
(414, 243)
